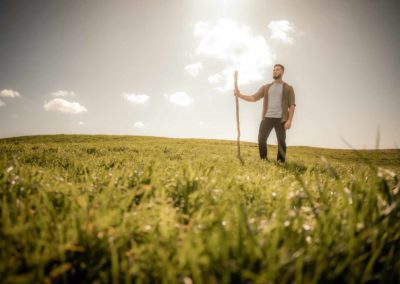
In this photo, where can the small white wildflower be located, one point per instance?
(273, 194)
(216, 190)
(262, 225)
(306, 227)
(187, 280)
(9, 169)
(147, 227)
(391, 173)
(308, 239)
(296, 254)
(389, 209)
(382, 172)
(286, 223)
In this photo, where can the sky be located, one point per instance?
(165, 68)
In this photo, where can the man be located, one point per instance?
(278, 109)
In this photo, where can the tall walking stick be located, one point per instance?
(235, 76)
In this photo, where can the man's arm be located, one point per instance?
(292, 104)
(291, 113)
(246, 98)
(251, 98)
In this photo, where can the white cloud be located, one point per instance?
(9, 93)
(138, 124)
(62, 105)
(137, 99)
(193, 69)
(2, 103)
(237, 47)
(279, 30)
(179, 98)
(81, 123)
(216, 78)
(63, 93)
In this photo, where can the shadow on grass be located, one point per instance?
(299, 168)
(292, 167)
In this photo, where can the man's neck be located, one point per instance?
(278, 80)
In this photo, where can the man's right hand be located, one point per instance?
(236, 93)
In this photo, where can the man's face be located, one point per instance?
(277, 72)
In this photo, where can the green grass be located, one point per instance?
(122, 209)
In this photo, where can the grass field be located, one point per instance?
(124, 209)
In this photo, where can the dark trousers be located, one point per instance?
(266, 126)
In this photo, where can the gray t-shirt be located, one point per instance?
(275, 100)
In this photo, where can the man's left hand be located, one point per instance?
(288, 124)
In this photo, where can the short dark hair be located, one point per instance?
(280, 65)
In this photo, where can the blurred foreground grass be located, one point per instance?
(123, 209)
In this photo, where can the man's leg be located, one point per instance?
(281, 137)
(266, 126)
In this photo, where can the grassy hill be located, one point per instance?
(113, 208)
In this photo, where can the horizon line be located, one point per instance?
(195, 138)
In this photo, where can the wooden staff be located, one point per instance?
(235, 76)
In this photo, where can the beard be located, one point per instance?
(276, 77)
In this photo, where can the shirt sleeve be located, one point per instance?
(259, 94)
(292, 100)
